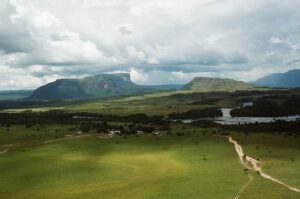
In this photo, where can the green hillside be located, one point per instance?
(206, 84)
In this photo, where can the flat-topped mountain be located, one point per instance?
(104, 85)
(290, 79)
(206, 84)
(111, 85)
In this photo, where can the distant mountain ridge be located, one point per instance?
(103, 85)
(290, 79)
(14, 94)
(112, 85)
(206, 84)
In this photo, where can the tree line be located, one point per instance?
(61, 117)
(196, 113)
(277, 126)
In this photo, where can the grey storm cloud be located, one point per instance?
(167, 41)
(124, 30)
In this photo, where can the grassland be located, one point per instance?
(280, 154)
(161, 103)
(151, 104)
(54, 161)
(196, 165)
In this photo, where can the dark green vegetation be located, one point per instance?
(15, 104)
(271, 106)
(104, 85)
(196, 113)
(61, 117)
(17, 94)
(205, 84)
(88, 122)
(287, 128)
(290, 79)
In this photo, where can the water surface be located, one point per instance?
(227, 119)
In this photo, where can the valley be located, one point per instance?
(135, 99)
(140, 147)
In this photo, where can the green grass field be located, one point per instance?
(150, 104)
(160, 103)
(167, 166)
(280, 154)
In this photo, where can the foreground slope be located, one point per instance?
(290, 79)
(57, 165)
(206, 84)
(135, 167)
(104, 85)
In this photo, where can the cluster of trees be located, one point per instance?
(128, 129)
(61, 117)
(278, 126)
(212, 98)
(8, 104)
(87, 122)
(196, 113)
(89, 126)
(270, 107)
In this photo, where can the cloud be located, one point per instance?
(139, 77)
(275, 40)
(21, 79)
(14, 36)
(167, 41)
(124, 30)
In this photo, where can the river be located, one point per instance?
(227, 119)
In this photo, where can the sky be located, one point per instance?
(157, 42)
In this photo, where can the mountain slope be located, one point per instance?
(206, 84)
(104, 85)
(290, 79)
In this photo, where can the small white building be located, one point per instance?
(113, 132)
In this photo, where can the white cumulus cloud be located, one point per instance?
(167, 41)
